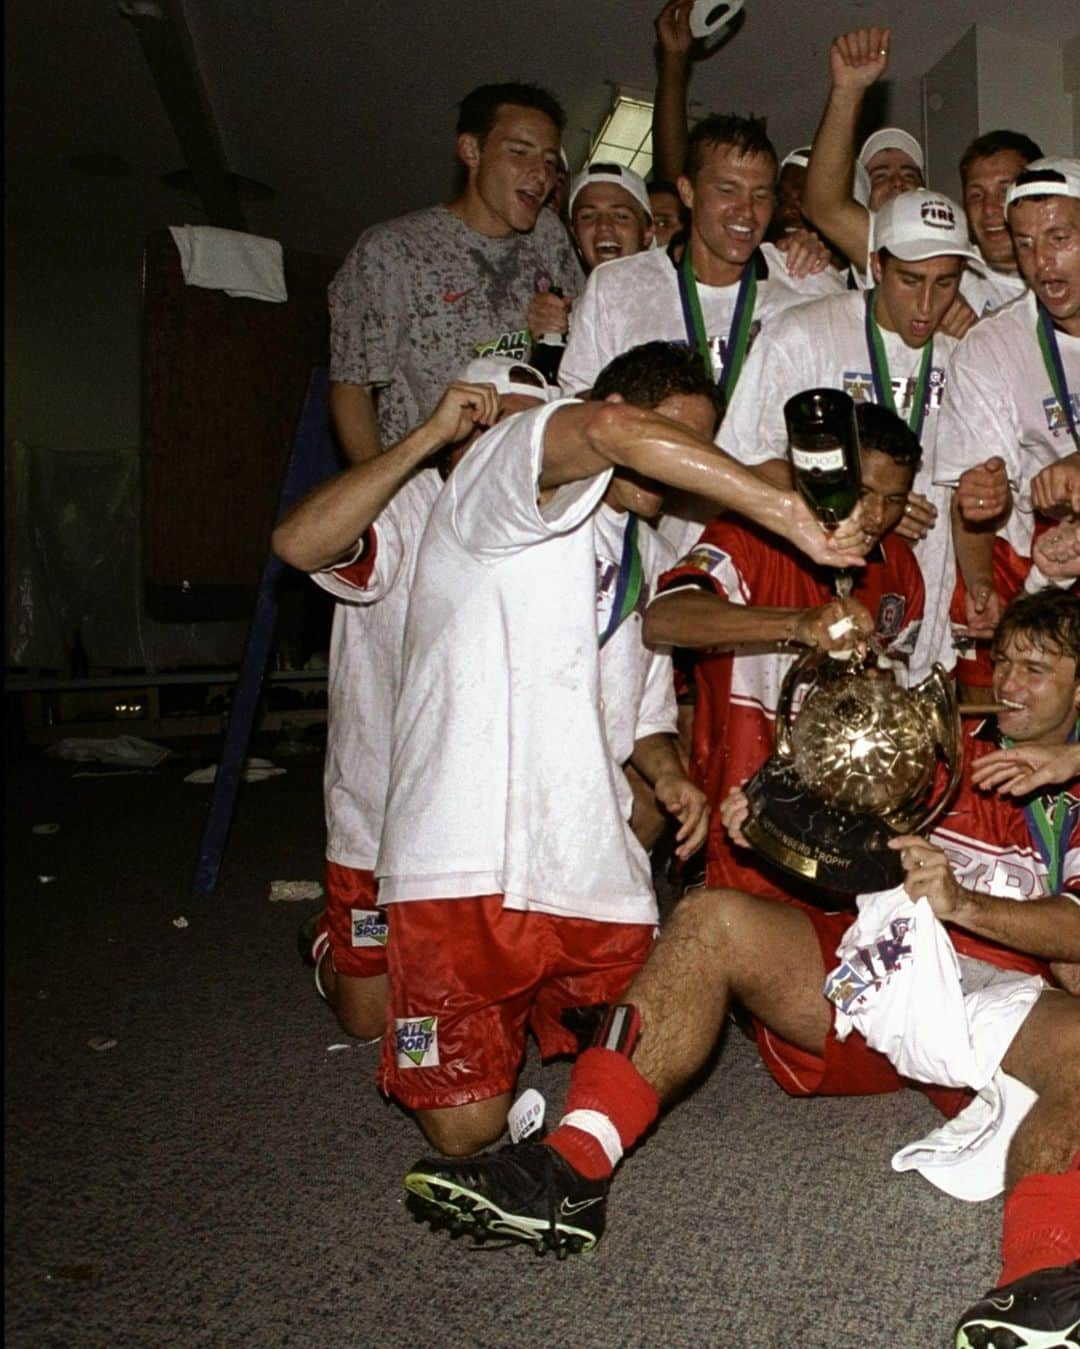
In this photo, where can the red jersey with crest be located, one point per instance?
(737, 692)
(990, 846)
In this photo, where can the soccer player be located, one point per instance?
(419, 296)
(514, 885)
(748, 605)
(358, 535)
(1008, 433)
(610, 213)
(998, 885)
(988, 168)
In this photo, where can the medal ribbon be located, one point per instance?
(879, 371)
(1049, 828)
(628, 586)
(1051, 354)
(738, 338)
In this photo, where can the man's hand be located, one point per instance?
(673, 28)
(858, 58)
(688, 804)
(733, 812)
(1055, 489)
(958, 318)
(842, 547)
(982, 609)
(918, 519)
(804, 253)
(1026, 768)
(548, 313)
(927, 873)
(1056, 552)
(839, 625)
(461, 408)
(983, 492)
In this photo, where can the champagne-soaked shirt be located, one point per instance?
(420, 296)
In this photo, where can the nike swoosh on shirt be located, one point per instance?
(452, 296)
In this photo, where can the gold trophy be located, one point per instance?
(854, 767)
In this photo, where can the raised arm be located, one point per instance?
(326, 525)
(584, 439)
(856, 60)
(670, 134)
(703, 620)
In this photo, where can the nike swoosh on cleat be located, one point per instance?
(567, 1209)
(452, 296)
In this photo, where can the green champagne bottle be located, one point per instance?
(823, 447)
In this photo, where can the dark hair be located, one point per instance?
(882, 431)
(477, 110)
(648, 374)
(661, 185)
(992, 143)
(745, 134)
(1048, 618)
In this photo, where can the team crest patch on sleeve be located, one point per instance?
(890, 615)
(416, 1039)
(705, 557)
(369, 927)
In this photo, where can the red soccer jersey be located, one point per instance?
(737, 693)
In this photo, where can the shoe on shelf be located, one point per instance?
(525, 1191)
(1039, 1311)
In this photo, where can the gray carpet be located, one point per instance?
(219, 1178)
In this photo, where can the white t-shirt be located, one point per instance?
(632, 300)
(365, 671)
(999, 401)
(506, 765)
(824, 345)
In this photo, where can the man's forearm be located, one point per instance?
(1048, 928)
(827, 197)
(701, 620)
(974, 551)
(327, 524)
(669, 116)
(655, 756)
(352, 410)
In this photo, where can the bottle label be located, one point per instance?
(824, 461)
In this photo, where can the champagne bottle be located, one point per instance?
(823, 447)
(547, 350)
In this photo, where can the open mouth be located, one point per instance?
(608, 250)
(1012, 706)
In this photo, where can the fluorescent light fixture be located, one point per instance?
(626, 135)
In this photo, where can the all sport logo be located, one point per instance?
(938, 214)
(417, 1041)
(369, 927)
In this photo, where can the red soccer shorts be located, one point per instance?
(849, 1067)
(356, 926)
(468, 977)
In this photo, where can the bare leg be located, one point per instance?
(721, 944)
(358, 1003)
(458, 1130)
(1046, 1055)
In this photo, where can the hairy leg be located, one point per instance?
(1046, 1055)
(721, 944)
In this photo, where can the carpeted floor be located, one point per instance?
(221, 1176)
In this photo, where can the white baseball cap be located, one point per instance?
(892, 138)
(612, 173)
(1050, 177)
(800, 158)
(922, 224)
(509, 377)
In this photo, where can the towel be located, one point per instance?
(242, 265)
(938, 1018)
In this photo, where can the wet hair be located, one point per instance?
(648, 374)
(745, 134)
(882, 431)
(992, 143)
(478, 110)
(1049, 619)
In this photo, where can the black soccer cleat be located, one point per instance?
(1039, 1311)
(525, 1191)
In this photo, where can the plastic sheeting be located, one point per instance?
(73, 568)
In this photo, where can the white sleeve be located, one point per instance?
(586, 354)
(658, 712)
(977, 421)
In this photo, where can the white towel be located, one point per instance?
(242, 265)
(938, 1019)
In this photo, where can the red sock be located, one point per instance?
(607, 1082)
(1041, 1225)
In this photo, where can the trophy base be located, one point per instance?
(838, 849)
